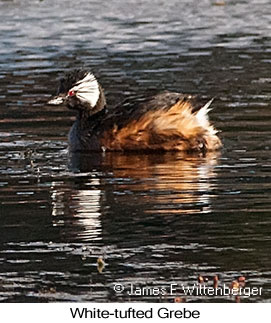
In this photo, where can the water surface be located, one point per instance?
(156, 219)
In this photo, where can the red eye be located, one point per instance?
(71, 93)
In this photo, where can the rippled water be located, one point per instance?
(155, 219)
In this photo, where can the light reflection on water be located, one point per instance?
(155, 219)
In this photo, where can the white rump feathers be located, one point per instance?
(87, 90)
(202, 114)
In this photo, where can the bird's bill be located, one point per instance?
(57, 100)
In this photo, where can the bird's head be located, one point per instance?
(81, 91)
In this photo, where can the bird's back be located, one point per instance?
(166, 121)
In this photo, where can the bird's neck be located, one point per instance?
(87, 122)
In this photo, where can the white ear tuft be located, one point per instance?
(87, 90)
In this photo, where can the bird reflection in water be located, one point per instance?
(170, 183)
(77, 208)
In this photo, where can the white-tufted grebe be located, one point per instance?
(166, 121)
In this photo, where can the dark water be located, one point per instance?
(155, 219)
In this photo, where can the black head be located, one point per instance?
(80, 90)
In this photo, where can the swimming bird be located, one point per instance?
(167, 121)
